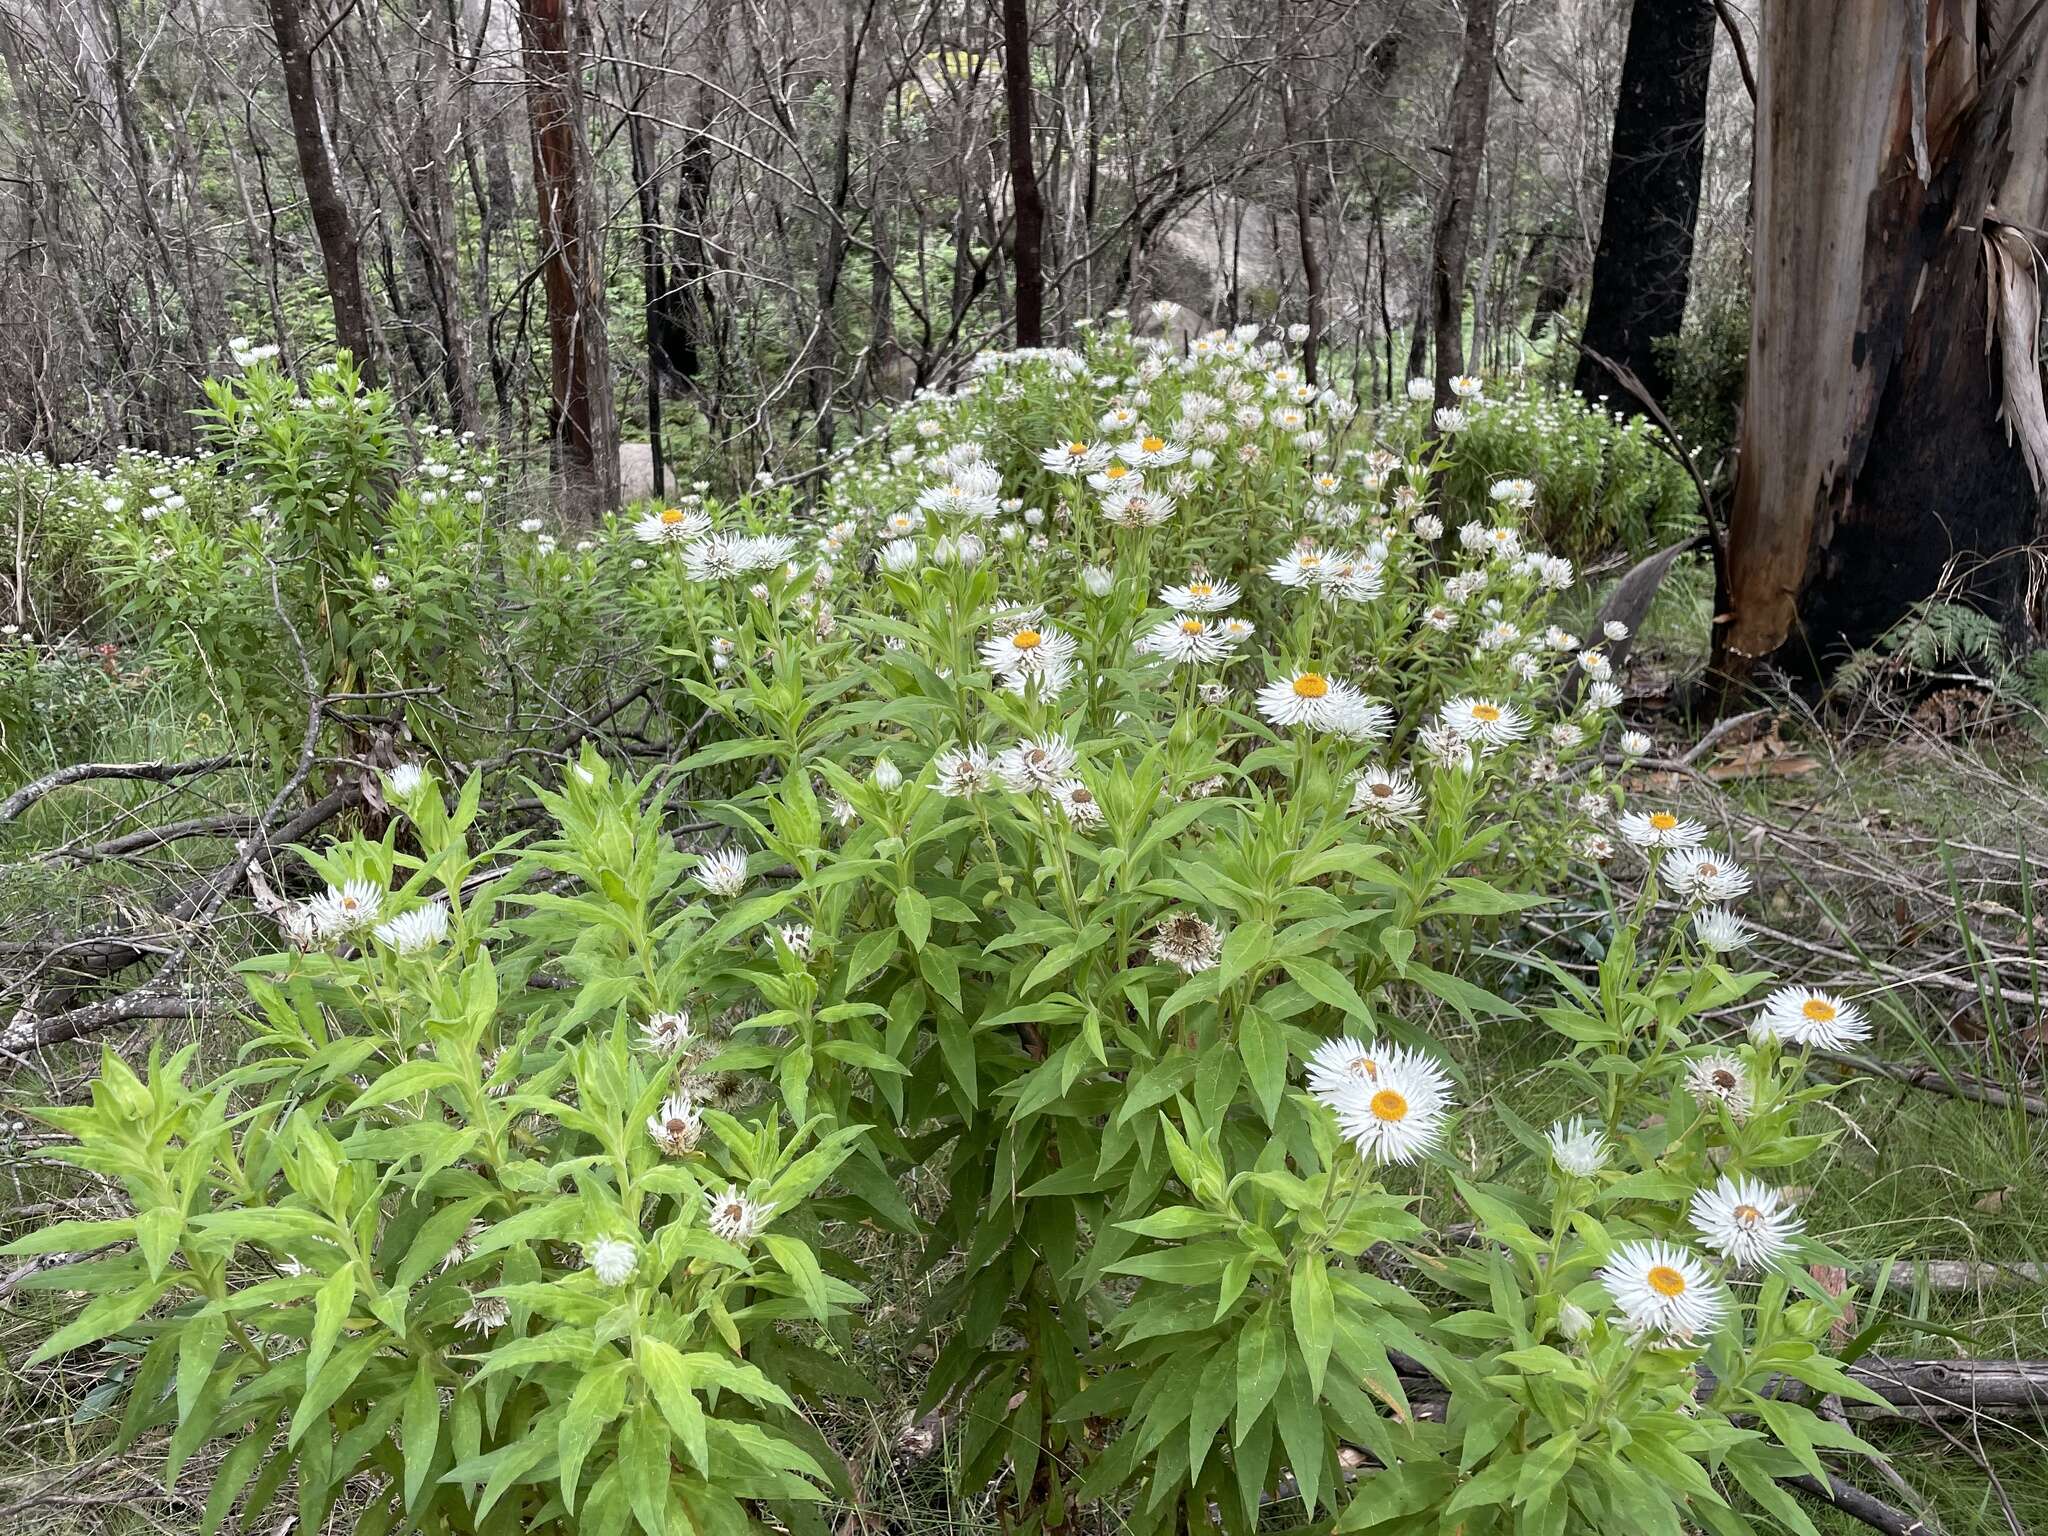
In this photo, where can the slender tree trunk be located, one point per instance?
(1451, 237)
(1894, 441)
(1304, 207)
(1028, 264)
(653, 279)
(333, 224)
(583, 425)
(1642, 267)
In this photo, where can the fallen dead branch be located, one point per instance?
(80, 773)
(1934, 1080)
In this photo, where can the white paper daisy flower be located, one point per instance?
(1077, 803)
(1310, 699)
(723, 872)
(1721, 1079)
(410, 932)
(1395, 1112)
(1663, 1289)
(1487, 721)
(735, 1217)
(1151, 452)
(1184, 640)
(1189, 943)
(1385, 796)
(1745, 1221)
(1139, 507)
(1659, 829)
(672, 525)
(1364, 720)
(1200, 594)
(677, 1126)
(1703, 874)
(1031, 647)
(1074, 458)
(667, 1033)
(1719, 931)
(962, 772)
(1036, 763)
(1577, 1148)
(349, 908)
(612, 1260)
(1804, 1016)
(1302, 566)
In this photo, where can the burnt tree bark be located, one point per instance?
(1304, 204)
(583, 424)
(1451, 235)
(1642, 266)
(1893, 435)
(333, 224)
(1028, 262)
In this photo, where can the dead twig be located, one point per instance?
(80, 773)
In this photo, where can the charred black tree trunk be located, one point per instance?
(1643, 264)
(1028, 263)
(333, 224)
(1894, 434)
(1451, 238)
(1548, 260)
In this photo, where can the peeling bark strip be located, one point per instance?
(584, 428)
(1893, 428)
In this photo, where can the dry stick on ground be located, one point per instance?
(1858, 1505)
(80, 773)
(1917, 1075)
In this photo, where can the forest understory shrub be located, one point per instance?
(1105, 809)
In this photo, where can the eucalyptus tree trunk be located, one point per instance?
(1893, 436)
(1451, 236)
(333, 224)
(1642, 268)
(583, 425)
(1028, 262)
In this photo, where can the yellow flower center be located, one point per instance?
(1027, 640)
(1665, 1280)
(671, 515)
(1311, 560)
(1191, 626)
(1152, 444)
(1663, 821)
(1116, 471)
(1389, 1106)
(1818, 1009)
(1364, 1066)
(1748, 1215)
(1076, 450)
(1486, 714)
(1200, 589)
(1311, 685)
